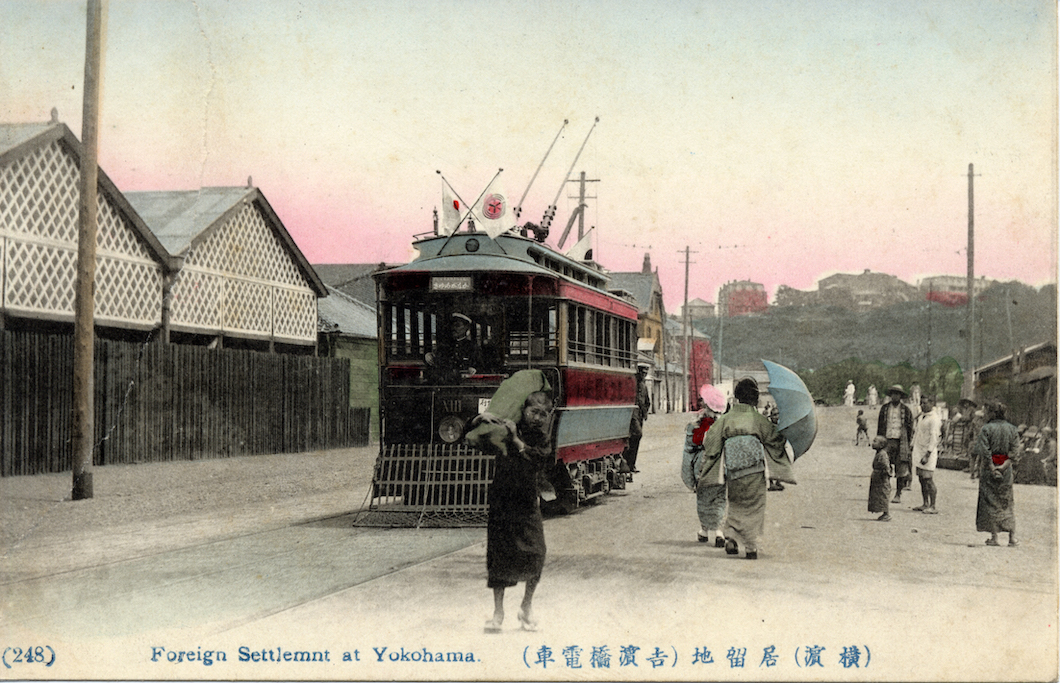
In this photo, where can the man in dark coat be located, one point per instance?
(896, 425)
(636, 421)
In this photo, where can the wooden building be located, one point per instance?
(242, 281)
(213, 269)
(40, 171)
(348, 330)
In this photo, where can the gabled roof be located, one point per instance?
(641, 285)
(184, 218)
(353, 279)
(14, 135)
(19, 139)
(346, 315)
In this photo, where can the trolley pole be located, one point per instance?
(84, 304)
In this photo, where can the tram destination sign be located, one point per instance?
(451, 284)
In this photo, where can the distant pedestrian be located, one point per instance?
(927, 435)
(896, 425)
(974, 427)
(750, 444)
(710, 496)
(997, 440)
(863, 428)
(874, 397)
(848, 394)
(880, 483)
(1049, 462)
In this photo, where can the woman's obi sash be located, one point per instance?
(744, 455)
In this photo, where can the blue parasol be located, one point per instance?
(798, 419)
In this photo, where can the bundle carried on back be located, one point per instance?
(490, 431)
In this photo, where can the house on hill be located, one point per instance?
(741, 297)
(40, 171)
(865, 290)
(242, 281)
(951, 290)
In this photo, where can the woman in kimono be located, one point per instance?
(996, 443)
(750, 443)
(710, 497)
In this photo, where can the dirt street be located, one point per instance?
(238, 559)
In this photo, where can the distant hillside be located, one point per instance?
(815, 336)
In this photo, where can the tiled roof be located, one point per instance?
(346, 315)
(14, 134)
(178, 217)
(352, 279)
(639, 284)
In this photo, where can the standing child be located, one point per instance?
(880, 483)
(863, 428)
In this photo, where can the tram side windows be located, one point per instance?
(537, 338)
(597, 338)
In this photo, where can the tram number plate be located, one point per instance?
(483, 405)
(450, 284)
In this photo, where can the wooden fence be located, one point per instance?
(161, 402)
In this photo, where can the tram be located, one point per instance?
(468, 312)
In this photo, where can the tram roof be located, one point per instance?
(476, 251)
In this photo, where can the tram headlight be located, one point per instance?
(451, 428)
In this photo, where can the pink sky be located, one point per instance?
(834, 141)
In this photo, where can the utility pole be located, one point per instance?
(84, 299)
(721, 334)
(686, 351)
(968, 390)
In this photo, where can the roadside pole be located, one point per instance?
(968, 389)
(84, 300)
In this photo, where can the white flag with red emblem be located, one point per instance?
(493, 214)
(452, 210)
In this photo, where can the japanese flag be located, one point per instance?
(493, 212)
(452, 210)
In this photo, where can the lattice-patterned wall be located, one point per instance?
(242, 281)
(38, 226)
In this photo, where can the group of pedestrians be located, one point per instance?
(729, 456)
(730, 453)
(903, 443)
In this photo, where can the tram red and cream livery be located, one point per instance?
(469, 312)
